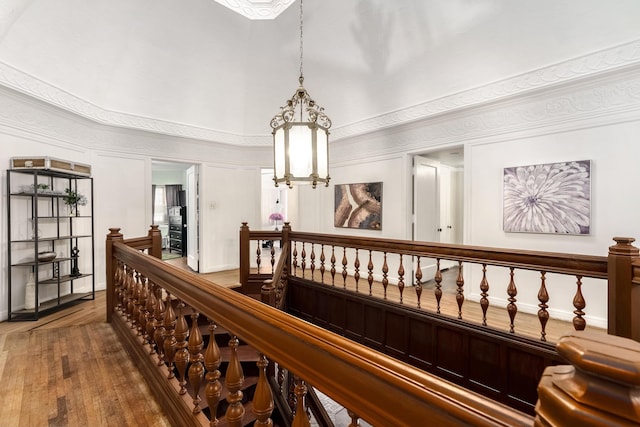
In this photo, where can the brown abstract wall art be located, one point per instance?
(358, 206)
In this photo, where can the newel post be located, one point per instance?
(623, 290)
(244, 255)
(268, 293)
(111, 266)
(156, 241)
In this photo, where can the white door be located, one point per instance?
(192, 218)
(426, 202)
(426, 205)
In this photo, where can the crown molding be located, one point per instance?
(604, 61)
(608, 100)
(618, 58)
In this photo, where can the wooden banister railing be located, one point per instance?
(599, 388)
(372, 264)
(377, 388)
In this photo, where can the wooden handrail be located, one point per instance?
(621, 268)
(152, 242)
(551, 262)
(374, 386)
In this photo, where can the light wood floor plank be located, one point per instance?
(76, 375)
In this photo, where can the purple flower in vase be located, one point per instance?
(276, 216)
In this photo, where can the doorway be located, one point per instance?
(175, 209)
(438, 201)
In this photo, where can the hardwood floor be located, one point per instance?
(69, 369)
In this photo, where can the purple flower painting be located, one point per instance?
(548, 198)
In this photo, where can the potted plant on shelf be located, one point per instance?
(73, 199)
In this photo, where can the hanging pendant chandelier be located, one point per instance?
(301, 137)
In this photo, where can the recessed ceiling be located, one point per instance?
(203, 70)
(257, 9)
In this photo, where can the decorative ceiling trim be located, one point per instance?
(257, 9)
(617, 58)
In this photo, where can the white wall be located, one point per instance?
(121, 169)
(317, 205)
(228, 197)
(613, 158)
(594, 119)
(168, 177)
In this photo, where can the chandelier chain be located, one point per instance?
(301, 35)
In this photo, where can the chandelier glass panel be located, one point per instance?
(301, 137)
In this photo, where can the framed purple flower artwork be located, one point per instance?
(552, 198)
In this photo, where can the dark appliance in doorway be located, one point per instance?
(178, 230)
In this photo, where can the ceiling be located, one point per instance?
(203, 67)
(257, 9)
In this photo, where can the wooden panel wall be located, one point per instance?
(496, 364)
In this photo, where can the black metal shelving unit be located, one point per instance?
(38, 221)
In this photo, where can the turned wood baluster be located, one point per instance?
(158, 334)
(543, 314)
(300, 419)
(196, 369)
(129, 293)
(344, 267)
(212, 361)
(313, 260)
(280, 378)
(579, 303)
(119, 282)
(303, 262)
(170, 342)
(401, 279)
(484, 288)
(322, 267)
(385, 271)
(418, 281)
(151, 323)
(135, 310)
(116, 279)
(263, 397)
(511, 307)
(438, 289)
(295, 259)
(333, 265)
(370, 273)
(182, 354)
(291, 397)
(142, 315)
(460, 289)
(356, 266)
(234, 380)
(273, 258)
(259, 255)
(355, 419)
